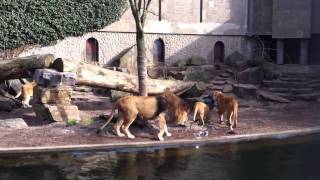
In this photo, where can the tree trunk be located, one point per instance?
(23, 67)
(96, 76)
(141, 62)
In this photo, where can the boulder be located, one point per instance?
(56, 112)
(245, 90)
(233, 58)
(268, 70)
(59, 95)
(251, 76)
(195, 91)
(197, 61)
(256, 61)
(197, 74)
(240, 65)
(7, 104)
(181, 62)
(271, 97)
(15, 123)
(178, 75)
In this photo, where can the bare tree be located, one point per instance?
(139, 9)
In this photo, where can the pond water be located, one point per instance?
(288, 159)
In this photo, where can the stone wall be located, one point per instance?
(112, 44)
(220, 17)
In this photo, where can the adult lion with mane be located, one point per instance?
(229, 105)
(149, 107)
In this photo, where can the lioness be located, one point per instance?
(228, 105)
(178, 108)
(26, 92)
(129, 107)
(202, 110)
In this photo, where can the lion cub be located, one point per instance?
(26, 92)
(202, 110)
(228, 105)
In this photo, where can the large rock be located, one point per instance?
(268, 70)
(129, 60)
(56, 112)
(195, 91)
(233, 58)
(197, 74)
(7, 104)
(240, 65)
(181, 62)
(59, 95)
(251, 76)
(16, 123)
(197, 61)
(192, 61)
(245, 90)
(271, 97)
(53, 78)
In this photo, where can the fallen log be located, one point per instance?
(23, 67)
(95, 76)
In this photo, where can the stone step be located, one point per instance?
(294, 79)
(309, 97)
(304, 97)
(314, 81)
(284, 84)
(294, 75)
(278, 90)
(302, 90)
(288, 96)
(217, 87)
(314, 85)
(225, 75)
(218, 82)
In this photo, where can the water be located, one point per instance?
(294, 159)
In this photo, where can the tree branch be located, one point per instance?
(144, 14)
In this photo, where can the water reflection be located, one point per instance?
(261, 160)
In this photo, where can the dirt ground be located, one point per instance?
(254, 117)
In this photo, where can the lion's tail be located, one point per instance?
(114, 107)
(235, 115)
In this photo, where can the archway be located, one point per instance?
(158, 52)
(92, 50)
(219, 52)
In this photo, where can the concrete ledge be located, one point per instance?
(127, 146)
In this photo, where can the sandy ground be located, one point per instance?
(254, 117)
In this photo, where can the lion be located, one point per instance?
(129, 107)
(202, 110)
(25, 93)
(178, 108)
(228, 105)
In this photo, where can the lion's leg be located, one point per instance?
(125, 127)
(220, 117)
(162, 124)
(202, 118)
(25, 102)
(195, 114)
(118, 125)
(230, 122)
